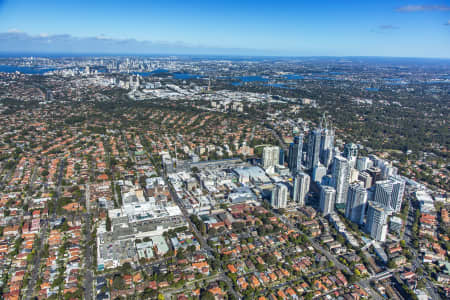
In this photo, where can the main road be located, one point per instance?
(43, 238)
(88, 275)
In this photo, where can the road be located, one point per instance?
(88, 275)
(6, 177)
(37, 261)
(43, 238)
(130, 153)
(278, 137)
(88, 197)
(58, 187)
(366, 285)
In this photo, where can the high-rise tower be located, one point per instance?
(340, 178)
(376, 221)
(296, 154)
(279, 196)
(356, 203)
(301, 188)
(327, 196)
(313, 153)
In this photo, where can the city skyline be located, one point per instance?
(395, 29)
(212, 150)
(182, 177)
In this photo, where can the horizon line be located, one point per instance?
(18, 54)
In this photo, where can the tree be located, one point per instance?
(180, 253)
(260, 267)
(232, 276)
(150, 293)
(108, 223)
(391, 264)
(126, 268)
(118, 282)
(203, 228)
(207, 295)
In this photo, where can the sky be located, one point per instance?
(400, 28)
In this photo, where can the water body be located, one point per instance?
(372, 89)
(24, 70)
(184, 76)
(154, 72)
(437, 82)
(321, 78)
(293, 77)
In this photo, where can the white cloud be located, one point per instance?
(388, 27)
(14, 30)
(16, 41)
(102, 37)
(418, 8)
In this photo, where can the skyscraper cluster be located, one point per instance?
(367, 189)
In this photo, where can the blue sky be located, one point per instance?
(329, 27)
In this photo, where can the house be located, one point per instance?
(137, 277)
(11, 230)
(242, 283)
(272, 276)
(320, 286)
(264, 278)
(216, 291)
(362, 269)
(231, 268)
(153, 285)
(291, 293)
(260, 260)
(399, 260)
(281, 294)
(73, 207)
(443, 278)
(342, 278)
(128, 279)
(254, 282)
(408, 275)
